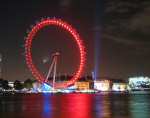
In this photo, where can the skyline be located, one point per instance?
(123, 52)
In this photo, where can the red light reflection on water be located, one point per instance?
(72, 106)
(58, 106)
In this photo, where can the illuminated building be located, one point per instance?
(139, 82)
(37, 87)
(11, 84)
(82, 85)
(103, 85)
(119, 87)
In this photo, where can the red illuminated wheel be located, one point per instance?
(28, 45)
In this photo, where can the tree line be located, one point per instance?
(28, 83)
(18, 85)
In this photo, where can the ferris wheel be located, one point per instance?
(28, 53)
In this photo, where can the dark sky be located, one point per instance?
(124, 47)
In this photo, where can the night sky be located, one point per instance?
(124, 43)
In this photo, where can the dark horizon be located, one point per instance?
(124, 48)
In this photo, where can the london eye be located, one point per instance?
(75, 36)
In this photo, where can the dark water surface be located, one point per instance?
(74, 106)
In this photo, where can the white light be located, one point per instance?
(119, 87)
(102, 85)
(138, 82)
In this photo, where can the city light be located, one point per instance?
(119, 87)
(102, 85)
(139, 82)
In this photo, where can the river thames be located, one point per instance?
(75, 106)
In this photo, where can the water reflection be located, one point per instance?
(7, 103)
(101, 106)
(47, 108)
(120, 105)
(74, 106)
(140, 106)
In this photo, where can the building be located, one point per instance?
(119, 86)
(82, 85)
(102, 85)
(11, 84)
(139, 83)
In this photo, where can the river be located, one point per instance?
(75, 105)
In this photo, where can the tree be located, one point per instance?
(18, 85)
(1, 83)
(28, 83)
(4, 84)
